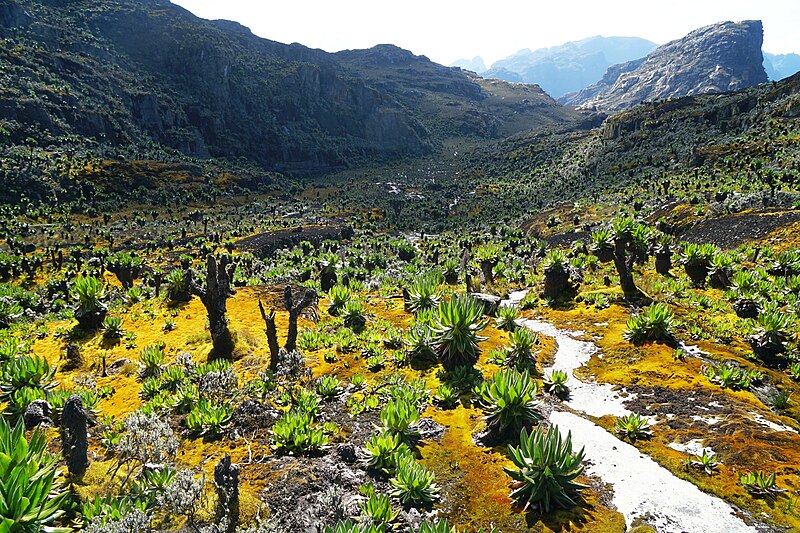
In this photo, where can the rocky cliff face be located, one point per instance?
(571, 66)
(147, 74)
(714, 59)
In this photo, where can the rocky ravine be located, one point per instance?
(714, 59)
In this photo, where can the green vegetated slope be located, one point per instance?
(75, 73)
(698, 148)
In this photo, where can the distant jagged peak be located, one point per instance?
(717, 58)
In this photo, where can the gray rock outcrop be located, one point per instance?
(713, 59)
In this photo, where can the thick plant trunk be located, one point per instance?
(214, 297)
(623, 262)
(663, 263)
(226, 483)
(309, 298)
(75, 436)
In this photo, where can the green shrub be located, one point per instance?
(545, 470)
(339, 295)
(633, 426)
(556, 383)
(112, 328)
(520, 355)
(25, 371)
(509, 401)
(30, 500)
(383, 450)
(420, 342)
(654, 324)
(413, 483)
(729, 375)
(353, 315)
(446, 396)
(328, 387)
(423, 292)
(208, 418)
(455, 333)
(294, 434)
(760, 484)
(151, 359)
(398, 417)
(378, 509)
(506, 318)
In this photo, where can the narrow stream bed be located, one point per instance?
(642, 489)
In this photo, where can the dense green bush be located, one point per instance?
(455, 332)
(545, 471)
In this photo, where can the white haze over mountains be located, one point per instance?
(446, 30)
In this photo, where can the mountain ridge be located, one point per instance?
(712, 59)
(213, 89)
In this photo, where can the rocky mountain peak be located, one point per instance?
(713, 59)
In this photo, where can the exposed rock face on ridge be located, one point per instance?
(571, 66)
(713, 59)
(147, 75)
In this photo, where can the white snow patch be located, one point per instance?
(642, 488)
(772, 425)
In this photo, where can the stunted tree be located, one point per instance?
(295, 303)
(219, 278)
(625, 253)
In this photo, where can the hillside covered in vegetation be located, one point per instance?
(528, 319)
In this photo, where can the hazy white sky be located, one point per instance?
(446, 30)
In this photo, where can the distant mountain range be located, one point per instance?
(569, 67)
(713, 59)
(149, 74)
(575, 65)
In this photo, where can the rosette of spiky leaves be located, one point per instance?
(773, 331)
(455, 332)
(698, 254)
(760, 484)
(383, 449)
(328, 387)
(378, 509)
(89, 291)
(602, 243)
(112, 327)
(509, 401)
(29, 501)
(348, 526)
(556, 383)
(151, 359)
(20, 400)
(506, 317)
(446, 396)
(353, 315)
(413, 483)
(520, 353)
(555, 262)
(633, 426)
(11, 348)
(10, 311)
(437, 526)
(58, 397)
(295, 434)
(399, 418)
(546, 469)
(420, 342)
(25, 371)
(423, 292)
(209, 418)
(652, 325)
(178, 285)
(339, 295)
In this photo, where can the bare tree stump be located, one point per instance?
(75, 436)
